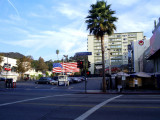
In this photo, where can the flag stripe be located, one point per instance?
(65, 67)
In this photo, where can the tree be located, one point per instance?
(76, 58)
(1, 59)
(57, 52)
(49, 64)
(42, 65)
(100, 21)
(34, 64)
(23, 65)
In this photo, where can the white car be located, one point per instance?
(76, 79)
(53, 82)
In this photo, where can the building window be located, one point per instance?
(124, 35)
(118, 35)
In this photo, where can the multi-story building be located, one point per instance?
(116, 49)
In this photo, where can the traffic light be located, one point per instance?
(88, 73)
(89, 64)
(80, 64)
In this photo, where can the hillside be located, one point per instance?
(14, 55)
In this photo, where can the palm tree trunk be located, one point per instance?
(103, 65)
(57, 56)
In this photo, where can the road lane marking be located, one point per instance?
(4, 104)
(89, 112)
(65, 105)
(62, 105)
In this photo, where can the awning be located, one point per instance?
(122, 74)
(157, 53)
(140, 74)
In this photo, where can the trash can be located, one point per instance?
(9, 83)
(2, 83)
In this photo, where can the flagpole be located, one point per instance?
(63, 65)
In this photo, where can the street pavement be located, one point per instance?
(31, 101)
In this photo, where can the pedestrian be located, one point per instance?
(136, 83)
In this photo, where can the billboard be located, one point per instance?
(67, 67)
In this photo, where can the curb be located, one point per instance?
(124, 93)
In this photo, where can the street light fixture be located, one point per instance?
(66, 56)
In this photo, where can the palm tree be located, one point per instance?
(57, 52)
(100, 22)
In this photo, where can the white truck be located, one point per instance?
(9, 76)
(62, 80)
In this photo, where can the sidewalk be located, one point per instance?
(123, 92)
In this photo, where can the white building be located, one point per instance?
(139, 47)
(118, 45)
(13, 63)
(9, 61)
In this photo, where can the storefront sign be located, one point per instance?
(141, 42)
(123, 77)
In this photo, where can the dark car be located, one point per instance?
(44, 80)
(2, 79)
(55, 78)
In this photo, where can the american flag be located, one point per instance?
(65, 67)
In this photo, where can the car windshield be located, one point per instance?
(45, 78)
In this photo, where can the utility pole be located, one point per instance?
(109, 60)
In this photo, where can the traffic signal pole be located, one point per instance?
(85, 54)
(85, 76)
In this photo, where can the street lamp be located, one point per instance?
(66, 56)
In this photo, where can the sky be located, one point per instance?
(39, 27)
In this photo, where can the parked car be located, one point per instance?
(54, 82)
(76, 79)
(70, 80)
(2, 79)
(82, 78)
(55, 78)
(44, 80)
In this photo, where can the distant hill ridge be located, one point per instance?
(14, 55)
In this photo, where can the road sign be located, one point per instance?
(83, 53)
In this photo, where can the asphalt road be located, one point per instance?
(91, 84)
(45, 102)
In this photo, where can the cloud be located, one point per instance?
(73, 32)
(28, 43)
(124, 2)
(139, 18)
(70, 11)
(20, 30)
(151, 9)
(47, 14)
(126, 23)
(14, 7)
(66, 40)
